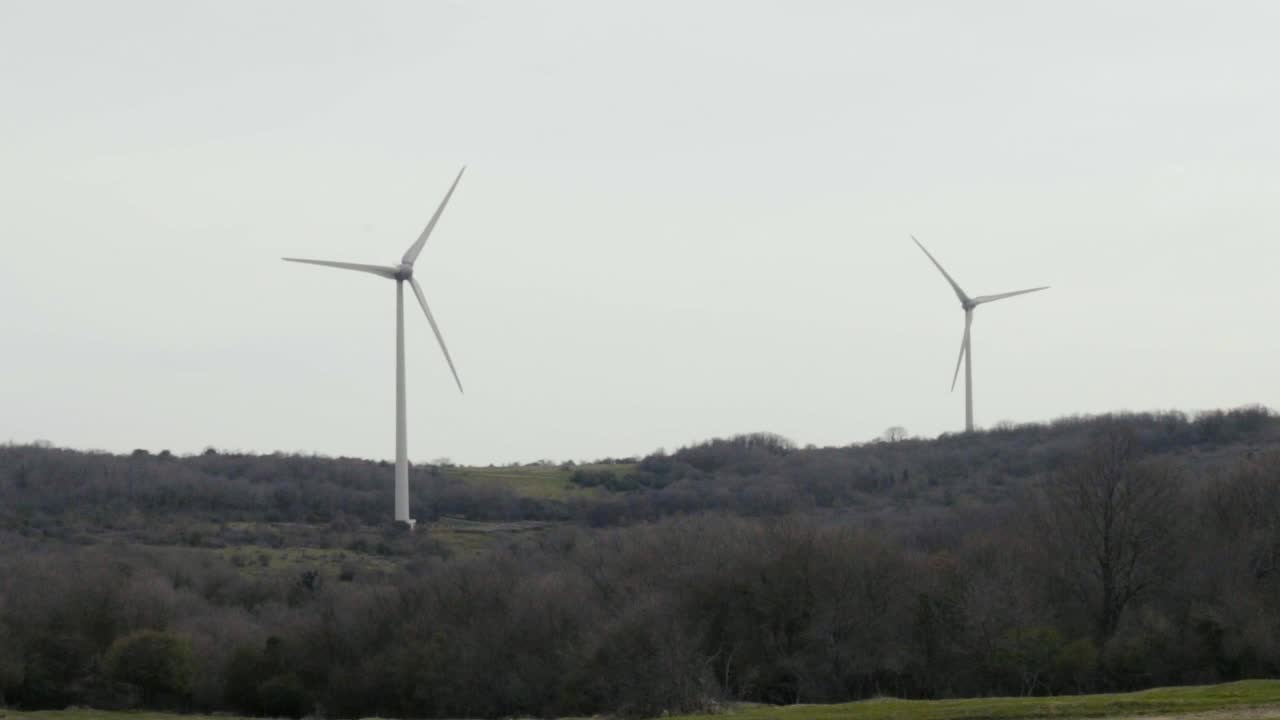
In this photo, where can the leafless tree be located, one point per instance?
(1110, 518)
(896, 433)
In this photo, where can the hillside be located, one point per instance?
(61, 491)
(1087, 554)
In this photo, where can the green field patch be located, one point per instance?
(545, 482)
(464, 543)
(448, 523)
(1181, 700)
(473, 536)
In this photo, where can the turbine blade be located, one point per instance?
(381, 270)
(959, 293)
(964, 348)
(422, 300)
(412, 253)
(1001, 296)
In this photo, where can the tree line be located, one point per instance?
(55, 490)
(1101, 554)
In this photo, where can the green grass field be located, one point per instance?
(1159, 702)
(545, 482)
(470, 536)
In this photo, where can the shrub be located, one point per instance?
(159, 664)
(244, 672)
(284, 696)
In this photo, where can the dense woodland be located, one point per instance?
(1086, 554)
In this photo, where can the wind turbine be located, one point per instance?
(966, 353)
(403, 273)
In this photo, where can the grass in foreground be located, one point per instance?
(1161, 701)
(1180, 700)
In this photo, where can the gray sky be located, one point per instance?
(680, 219)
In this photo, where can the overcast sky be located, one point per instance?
(680, 219)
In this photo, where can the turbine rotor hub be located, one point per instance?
(404, 271)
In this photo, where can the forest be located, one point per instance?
(1086, 554)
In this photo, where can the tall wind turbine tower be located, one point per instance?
(403, 273)
(966, 352)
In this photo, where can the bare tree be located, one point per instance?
(1245, 510)
(1110, 520)
(897, 433)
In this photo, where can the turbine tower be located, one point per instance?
(403, 273)
(966, 353)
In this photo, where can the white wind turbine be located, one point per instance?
(403, 273)
(966, 353)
